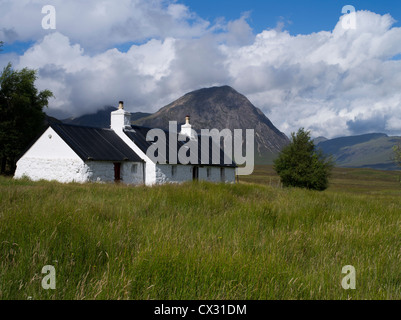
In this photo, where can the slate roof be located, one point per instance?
(138, 136)
(95, 143)
(100, 144)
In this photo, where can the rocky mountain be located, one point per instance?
(372, 150)
(221, 108)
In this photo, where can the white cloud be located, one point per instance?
(55, 49)
(334, 83)
(323, 81)
(100, 24)
(82, 83)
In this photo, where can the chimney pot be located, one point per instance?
(186, 129)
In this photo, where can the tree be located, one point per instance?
(397, 154)
(300, 164)
(22, 116)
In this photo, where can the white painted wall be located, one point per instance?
(51, 146)
(164, 173)
(132, 172)
(100, 171)
(184, 173)
(62, 170)
(215, 174)
(103, 171)
(230, 175)
(66, 170)
(50, 158)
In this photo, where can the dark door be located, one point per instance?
(117, 172)
(195, 173)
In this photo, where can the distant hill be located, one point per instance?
(372, 150)
(319, 139)
(221, 108)
(101, 119)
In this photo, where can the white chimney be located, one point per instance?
(186, 129)
(120, 119)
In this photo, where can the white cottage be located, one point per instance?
(70, 153)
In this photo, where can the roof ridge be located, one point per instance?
(79, 126)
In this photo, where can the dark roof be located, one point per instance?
(138, 136)
(95, 143)
(99, 144)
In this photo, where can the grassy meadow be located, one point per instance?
(252, 240)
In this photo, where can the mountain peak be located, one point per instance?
(221, 108)
(210, 108)
(214, 90)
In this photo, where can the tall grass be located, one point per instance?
(196, 241)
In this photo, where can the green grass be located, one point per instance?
(202, 241)
(348, 180)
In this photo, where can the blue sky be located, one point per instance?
(293, 59)
(300, 17)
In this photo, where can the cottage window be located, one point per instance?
(208, 172)
(222, 175)
(134, 168)
(173, 170)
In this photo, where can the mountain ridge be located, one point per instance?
(222, 108)
(372, 150)
(101, 118)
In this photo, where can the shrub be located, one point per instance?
(301, 165)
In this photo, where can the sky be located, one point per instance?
(303, 63)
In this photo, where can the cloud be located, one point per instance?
(325, 81)
(100, 24)
(333, 83)
(83, 83)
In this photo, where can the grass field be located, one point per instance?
(252, 240)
